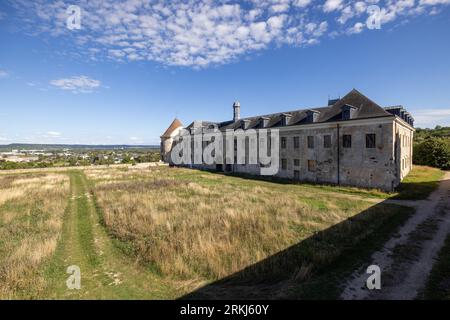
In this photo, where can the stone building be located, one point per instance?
(352, 141)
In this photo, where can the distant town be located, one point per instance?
(23, 156)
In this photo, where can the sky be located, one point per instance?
(119, 72)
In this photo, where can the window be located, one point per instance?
(284, 164)
(327, 141)
(297, 162)
(296, 142)
(370, 140)
(296, 175)
(311, 165)
(345, 114)
(347, 141)
(283, 142)
(310, 142)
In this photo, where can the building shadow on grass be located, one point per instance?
(316, 267)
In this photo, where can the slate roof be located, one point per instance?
(364, 108)
(175, 124)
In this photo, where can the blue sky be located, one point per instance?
(135, 65)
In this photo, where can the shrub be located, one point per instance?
(434, 152)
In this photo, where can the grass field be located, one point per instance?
(166, 232)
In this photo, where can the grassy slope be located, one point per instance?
(105, 272)
(31, 210)
(420, 182)
(324, 259)
(105, 260)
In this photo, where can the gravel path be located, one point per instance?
(407, 258)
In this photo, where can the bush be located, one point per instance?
(434, 152)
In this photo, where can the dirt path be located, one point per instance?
(407, 258)
(106, 272)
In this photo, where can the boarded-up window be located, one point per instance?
(311, 165)
(370, 140)
(310, 142)
(296, 142)
(327, 141)
(347, 141)
(284, 164)
(283, 142)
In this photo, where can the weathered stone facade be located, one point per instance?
(353, 141)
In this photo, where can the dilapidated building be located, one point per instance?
(350, 141)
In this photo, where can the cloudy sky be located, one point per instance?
(120, 71)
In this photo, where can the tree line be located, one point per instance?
(432, 147)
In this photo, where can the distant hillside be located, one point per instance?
(26, 146)
(437, 132)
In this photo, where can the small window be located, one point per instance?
(370, 140)
(297, 162)
(347, 141)
(311, 165)
(346, 115)
(310, 142)
(296, 142)
(296, 175)
(283, 142)
(327, 141)
(284, 164)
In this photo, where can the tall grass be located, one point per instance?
(31, 210)
(188, 224)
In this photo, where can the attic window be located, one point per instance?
(286, 118)
(348, 112)
(264, 121)
(312, 116)
(245, 124)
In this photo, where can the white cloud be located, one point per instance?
(199, 33)
(332, 5)
(434, 2)
(3, 74)
(53, 134)
(77, 84)
(357, 28)
(429, 118)
(136, 140)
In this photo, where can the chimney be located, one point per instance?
(236, 111)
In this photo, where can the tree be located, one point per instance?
(434, 152)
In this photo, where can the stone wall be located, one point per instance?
(382, 166)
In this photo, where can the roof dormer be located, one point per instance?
(312, 116)
(286, 119)
(245, 123)
(264, 122)
(348, 112)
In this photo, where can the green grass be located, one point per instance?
(419, 183)
(208, 226)
(106, 272)
(438, 284)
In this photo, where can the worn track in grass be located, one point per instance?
(106, 272)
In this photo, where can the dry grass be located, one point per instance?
(195, 225)
(31, 211)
